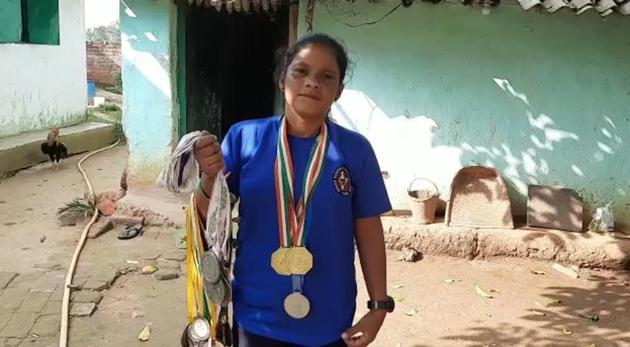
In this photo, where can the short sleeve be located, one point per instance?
(370, 196)
(231, 148)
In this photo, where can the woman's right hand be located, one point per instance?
(208, 155)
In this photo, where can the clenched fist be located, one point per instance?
(208, 155)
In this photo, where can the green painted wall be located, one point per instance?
(148, 31)
(543, 98)
(11, 19)
(43, 21)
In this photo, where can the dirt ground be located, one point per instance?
(437, 300)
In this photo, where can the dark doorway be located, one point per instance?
(230, 65)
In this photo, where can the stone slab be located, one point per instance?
(554, 208)
(87, 296)
(96, 284)
(52, 307)
(11, 342)
(175, 255)
(82, 309)
(47, 325)
(11, 298)
(23, 150)
(34, 302)
(165, 275)
(6, 278)
(167, 264)
(125, 220)
(19, 325)
(5, 314)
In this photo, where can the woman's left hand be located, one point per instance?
(364, 332)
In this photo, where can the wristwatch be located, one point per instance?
(387, 304)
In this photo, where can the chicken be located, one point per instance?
(53, 148)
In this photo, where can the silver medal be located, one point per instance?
(210, 267)
(297, 305)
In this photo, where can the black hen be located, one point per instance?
(53, 148)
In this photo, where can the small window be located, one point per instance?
(29, 21)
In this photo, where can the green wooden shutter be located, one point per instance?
(42, 17)
(11, 19)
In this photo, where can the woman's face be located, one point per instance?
(312, 81)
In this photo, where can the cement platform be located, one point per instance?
(23, 150)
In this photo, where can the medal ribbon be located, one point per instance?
(292, 215)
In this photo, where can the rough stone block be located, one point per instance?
(120, 219)
(165, 275)
(82, 309)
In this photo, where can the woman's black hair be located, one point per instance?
(341, 55)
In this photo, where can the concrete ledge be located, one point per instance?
(23, 150)
(585, 249)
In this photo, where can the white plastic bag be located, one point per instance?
(603, 220)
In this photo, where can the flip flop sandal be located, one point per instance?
(130, 232)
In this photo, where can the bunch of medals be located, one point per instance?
(208, 252)
(209, 288)
(217, 260)
(292, 257)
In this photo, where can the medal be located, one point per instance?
(296, 305)
(279, 261)
(198, 332)
(292, 257)
(210, 267)
(299, 260)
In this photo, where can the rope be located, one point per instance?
(63, 333)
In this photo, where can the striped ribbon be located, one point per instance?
(292, 215)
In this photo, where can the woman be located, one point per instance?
(308, 189)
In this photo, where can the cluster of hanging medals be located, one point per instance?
(292, 257)
(209, 288)
(208, 251)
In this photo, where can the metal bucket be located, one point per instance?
(423, 203)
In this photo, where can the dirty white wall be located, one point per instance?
(44, 86)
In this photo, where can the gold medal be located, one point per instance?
(279, 261)
(296, 305)
(299, 261)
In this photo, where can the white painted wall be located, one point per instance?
(44, 86)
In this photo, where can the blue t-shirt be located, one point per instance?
(351, 187)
